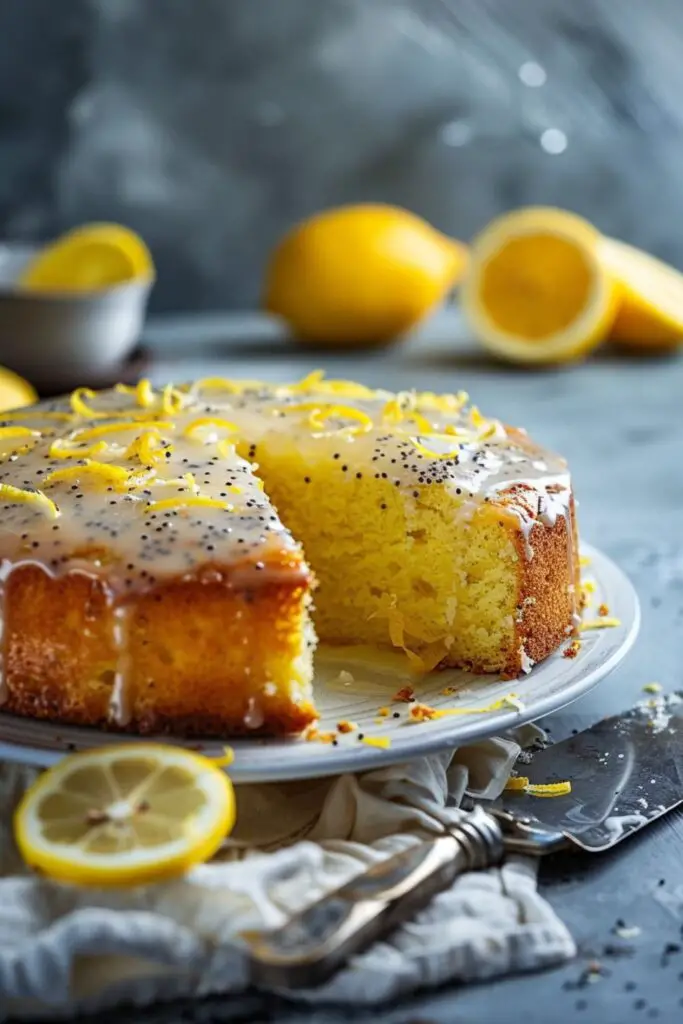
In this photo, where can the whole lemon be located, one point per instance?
(360, 275)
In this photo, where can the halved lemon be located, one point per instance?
(536, 291)
(15, 391)
(650, 314)
(89, 258)
(125, 815)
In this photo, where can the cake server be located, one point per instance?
(625, 772)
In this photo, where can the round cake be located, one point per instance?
(161, 549)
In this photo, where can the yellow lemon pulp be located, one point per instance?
(536, 291)
(360, 275)
(15, 392)
(89, 258)
(125, 815)
(650, 313)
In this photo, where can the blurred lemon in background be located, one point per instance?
(89, 258)
(650, 313)
(536, 290)
(15, 391)
(360, 275)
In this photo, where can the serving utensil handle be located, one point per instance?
(320, 939)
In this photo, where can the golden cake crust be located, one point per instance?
(188, 671)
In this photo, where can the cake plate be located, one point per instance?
(351, 686)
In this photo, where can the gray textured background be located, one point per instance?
(211, 125)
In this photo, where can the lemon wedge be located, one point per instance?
(537, 291)
(15, 392)
(650, 314)
(89, 258)
(124, 815)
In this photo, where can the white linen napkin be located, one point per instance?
(65, 949)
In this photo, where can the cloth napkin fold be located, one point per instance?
(67, 949)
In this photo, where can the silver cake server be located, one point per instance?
(625, 772)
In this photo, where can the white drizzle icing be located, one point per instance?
(119, 702)
(253, 716)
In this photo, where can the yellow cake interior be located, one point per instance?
(392, 569)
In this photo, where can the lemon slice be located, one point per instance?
(537, 291)
(15, 392)
(124, 815)
(89, 258)
(650, 314)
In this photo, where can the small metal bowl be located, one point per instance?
(60, 341)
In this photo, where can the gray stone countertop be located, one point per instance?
(619, 421)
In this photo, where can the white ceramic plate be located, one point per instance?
(551, 685)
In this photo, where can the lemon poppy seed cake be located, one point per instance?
(155, 548)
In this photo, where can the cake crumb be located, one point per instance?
(345, 677)
(652, 688)
(383, 712)
(314, 735)
(346, 726)
(572, 650)
(405, 695)
(421, 713)
(603, 610)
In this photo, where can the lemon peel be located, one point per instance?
(210, 421)
(345, 389)
(233, 387)
(431, 454)
(396, 413)
(318, 419)
(89, 433)
(103, 472)
(307, 383)
(79, 406)
(383, 742)
(172, 400)
(550, 789)
(12, 494)
(604, 623)
(320, 412)
(62, 448)
(517, 783)
(497, 705)
(141, 448)
(521, 784)
(192, 502)
(10, 432)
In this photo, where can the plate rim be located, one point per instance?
(315, 761)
